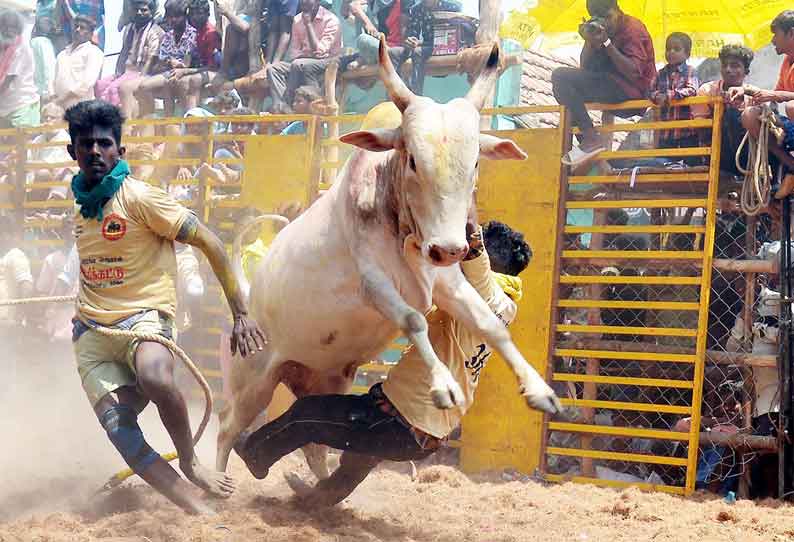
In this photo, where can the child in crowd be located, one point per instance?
(675, 81)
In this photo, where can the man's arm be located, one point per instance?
(246, 334)
(623, 63)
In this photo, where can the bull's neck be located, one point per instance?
(390, 185)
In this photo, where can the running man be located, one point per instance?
(125, 231)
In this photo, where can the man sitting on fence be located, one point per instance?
(735, 63)
(617, 64)
(316, 40)
(78, 66)
(138, 58)
(397, 420)
(19, 96)
(783, 39)
(125, 231)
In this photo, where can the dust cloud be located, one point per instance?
(54, 456)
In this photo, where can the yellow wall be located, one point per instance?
(500, 430)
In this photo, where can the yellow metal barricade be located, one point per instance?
(631, 305)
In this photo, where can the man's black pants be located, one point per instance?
(574, 87)
(352, 423)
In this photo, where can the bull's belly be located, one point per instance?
(330, 340)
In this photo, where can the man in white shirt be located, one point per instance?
(397, 419)
(53, 153)
(78, 66)
(19, 96)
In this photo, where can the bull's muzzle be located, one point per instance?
(444, 255)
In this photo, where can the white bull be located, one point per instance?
(370, 258)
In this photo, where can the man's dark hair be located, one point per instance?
(784, 21)
(739, 52)
(83, 116)
(84, 18)
(176, 6)
(13, 20)
(684, 38)
(601, 8)
(198, 5)
(151, 3)
(507, 249)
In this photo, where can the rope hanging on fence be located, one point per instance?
(757, 184)
(148, 337)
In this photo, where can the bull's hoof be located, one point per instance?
(449, 397)
(548, 403)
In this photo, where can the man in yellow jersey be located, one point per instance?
(125, 231)
(397, 420)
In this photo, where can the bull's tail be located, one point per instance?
(237, 252)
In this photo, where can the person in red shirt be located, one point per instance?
(617, 64)
(204, 72)
(783, 39)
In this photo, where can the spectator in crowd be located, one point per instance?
(78, 66)
(419, 42)
(16, 280)
(51, 114)
(235, 149)
(316, 39)
(193, 80)
(19, 97)
(281, 22)
(388, 18)
(47, 24)
(43, 48)
(235, 60)
(617, 64)
(675, 81)
(138, 58)
(130, 11)
(305, 96)
(93, 9)
(735, 63)
(177, 51)
(783, 39)
(57, 324)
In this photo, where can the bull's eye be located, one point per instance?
(477, 164)
(412, 163)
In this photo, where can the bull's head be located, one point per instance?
(439, 148)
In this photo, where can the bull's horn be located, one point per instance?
(482, 86)
(399, 93)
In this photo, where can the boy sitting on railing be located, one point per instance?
(735, 63)
(676, 81)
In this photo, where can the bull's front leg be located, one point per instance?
(381, 292)
(458, 298)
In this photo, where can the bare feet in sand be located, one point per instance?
(297, 484)
(218, 484)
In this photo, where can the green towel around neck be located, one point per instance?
(92, 201)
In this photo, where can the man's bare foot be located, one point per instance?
(213, 482)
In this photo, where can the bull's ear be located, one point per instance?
(377, 140)
(494, 148)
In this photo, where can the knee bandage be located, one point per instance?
(121, 424)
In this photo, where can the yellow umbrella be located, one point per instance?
(710, 23)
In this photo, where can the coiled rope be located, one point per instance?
(757, 185)
(147, 337)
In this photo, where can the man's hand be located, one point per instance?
(260, 75)
(246, 336)
(596, 38)
(372, 31)
(183, 174)
(660, 99)
(412, 42)
(763, 96)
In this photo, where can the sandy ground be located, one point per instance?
(54, 456)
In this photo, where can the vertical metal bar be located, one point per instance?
(785, 357)
(705, 291)
(562, 217)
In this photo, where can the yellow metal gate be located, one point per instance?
(630, 315)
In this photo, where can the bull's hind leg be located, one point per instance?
(250, 397)
(320, 384)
